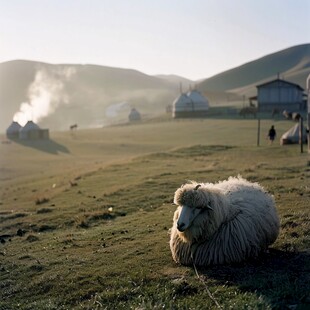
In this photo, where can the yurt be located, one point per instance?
(30, 131)
(292, 135)
(182, 107)
(201, 103)
(12, 131)
(134, 115)
(190, 105)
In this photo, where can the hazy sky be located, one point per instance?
(192, 38)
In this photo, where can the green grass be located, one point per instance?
(89, 229)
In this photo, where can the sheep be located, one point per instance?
(223, 223)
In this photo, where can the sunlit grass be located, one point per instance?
(103, 243)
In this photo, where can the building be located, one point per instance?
(281, 95)
(190, 105)
(12, 131)
(134, 115)
(32, 131)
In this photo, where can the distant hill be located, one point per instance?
(83, 94)
(293, 64)
(177, 80)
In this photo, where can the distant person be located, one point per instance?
(272, 134)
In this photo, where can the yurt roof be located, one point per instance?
(196, 96)
(134, 112)
(14, 127)
(134, 115)
(182, 100)
(30, 126)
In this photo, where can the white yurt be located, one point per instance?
(201, 103)
(12, 131)
(134, 115)
(182, 106)
(190, 105)
(292, 135)
(30, 131)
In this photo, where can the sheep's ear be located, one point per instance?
(197, 186)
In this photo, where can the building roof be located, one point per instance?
(134, 114)
(13, 128)
(282, 81)
(183, 99)
(192, 101)
(197, 97)
(30, 126)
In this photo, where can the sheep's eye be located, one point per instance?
(199, 208)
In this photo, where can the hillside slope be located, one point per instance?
(87, 227)
(80, 93)
(292, 64)
(83, 94)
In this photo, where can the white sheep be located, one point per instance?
(222, 223)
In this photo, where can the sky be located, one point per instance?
(192, 38)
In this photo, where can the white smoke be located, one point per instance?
(113, 110)
(45, 94)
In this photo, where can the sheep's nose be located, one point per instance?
(181, 226)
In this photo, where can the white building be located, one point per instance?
(190, 105)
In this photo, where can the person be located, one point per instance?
(272, 134)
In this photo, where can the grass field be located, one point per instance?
(85, 218)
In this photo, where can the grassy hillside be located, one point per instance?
(84, 219)
(292, 64)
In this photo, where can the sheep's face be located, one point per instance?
(191, 202)
(187, 215)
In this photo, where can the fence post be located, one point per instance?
(258, 131)
(301, 140)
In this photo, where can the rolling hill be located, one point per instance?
(293, 64)
(74, 93)
(80, 93)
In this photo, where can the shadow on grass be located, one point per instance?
(282, 278)
(47, 146)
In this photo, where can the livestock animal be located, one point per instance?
(248, 111)
(295, 116)
(222, 223)
(287, 114)
(75, 126)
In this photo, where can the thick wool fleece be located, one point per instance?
(242, 223)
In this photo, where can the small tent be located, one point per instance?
(12, 131)
(134, 115)
(292, 135)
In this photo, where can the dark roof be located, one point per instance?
(253, 98)
(283, 81)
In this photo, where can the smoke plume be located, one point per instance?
(45, 94)
(113, 110)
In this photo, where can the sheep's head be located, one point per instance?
(192, 202)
